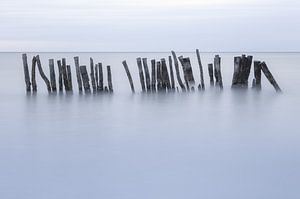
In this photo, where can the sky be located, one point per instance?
(149, 26)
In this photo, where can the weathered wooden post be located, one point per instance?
(147, 75)
(128, 75)
(52, 75)
(153, 76)
(65, 75)
(248, 69)
(171, 73)
(165, 75)
(177, 71)
(33, 79)
(69, 75)
(211, 74)
(142, 79)
(188, 72)
(101, 87)
(97, 77)
(237, 66)
(79, 81)
(269, 76)
(85, 79)
(46, 80)
(217, 64)
(60, 76)
(202, 86)
(257, 75)
(159, 77)
(26, 72)
(92, 75)
(109, 79)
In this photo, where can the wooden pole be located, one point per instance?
(201, 70)
(217, 64)
(60, 76)
(159, 77)
(211, 74)
(177, 71)
(69, 75)
(153, 75)
(165, 75)
(171, 73)
(147, 75)
(92, 75)
(97, 77)
(128, 75)
(236, 76)
(52, 75)
(269, 76)
(46, 80)
(257, 75)
(100, 77)
(142, 79)
(248, 69)
(85, 79)
(188, 72)
(33, 76)
(79, 81)
(26, 73)
(65, 75)
(109, 79)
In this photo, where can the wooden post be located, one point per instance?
(257, 75)
(65, 75)
(97, 77)
(109, 79)
(142, 79)
(147, 75)
(92, 75)
(201, 70)
(60, 76)
(69, 75)
(85, 79)
(171, 73)
(79, 81)
(184, 75)
(153, 76)
(52, 75)
(188, 72)
(217, 64)
(100, 77)
(33, 79)
(46, 80)
(248, 69)
(269, 76)
(159, 77)
(26, 72)
(128, 75)
(177, 71)
(165, 75)
(211, 74)
(236, 73)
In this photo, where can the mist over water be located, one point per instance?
(212, 144)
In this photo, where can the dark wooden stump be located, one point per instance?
(97, 77)
(141, 74)
(69, 75)
(85, 79)
(79, 81)
(128, 75)
(109, 79)
(211, 74)
(52, 75)
(188, 72)
(147, 75)
(202, 85)
(60, 76)
(165, 75)
(93, 75)
(257, 75)
(269, 76)
(153, 75)
(33, 76)
(26, 73)
(171, 73)
(44, 77)
(177, 71)
(65, 75)
(159, 77)
(217, 64)
(101, 85)
(236, 73)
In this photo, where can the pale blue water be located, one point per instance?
(210, 145)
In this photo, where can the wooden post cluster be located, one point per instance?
(65, 76)
(157, 77)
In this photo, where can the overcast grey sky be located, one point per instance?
(149, 25)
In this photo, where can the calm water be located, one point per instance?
(209, 145)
